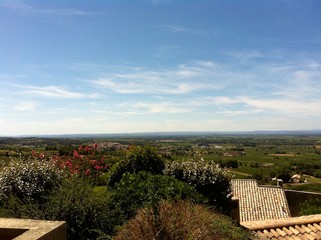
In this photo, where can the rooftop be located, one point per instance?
(304, 227)
(257, 203)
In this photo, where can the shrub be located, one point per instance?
(13, 207)
(85, 161)
(309, 207)
(180, 221)
(230, 164)
(28, 179)
(89, 214)
(207, 178)
(137, 159)
(135, 191)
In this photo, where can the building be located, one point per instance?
(264, 211)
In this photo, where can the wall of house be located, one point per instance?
(295, 198)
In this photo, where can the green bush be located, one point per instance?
(181, 220)
(137, 159)
(310, 207)
(89, 214)
(135, 191)
(208, 179)
(14, 207)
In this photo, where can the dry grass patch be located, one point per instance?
(181, 220)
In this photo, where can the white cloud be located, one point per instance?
(259, 105)
(165, 107)
(181, 80)
(54, 92)
(175, 29)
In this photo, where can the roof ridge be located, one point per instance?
(284, 222)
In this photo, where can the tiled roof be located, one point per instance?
(259, 202)
(296, 228)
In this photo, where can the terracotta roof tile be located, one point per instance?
(259, 202)
(295, 228)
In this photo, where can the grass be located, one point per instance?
(307, 187)
(180, 221)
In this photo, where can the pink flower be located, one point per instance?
(87, 172)
(95, 145)
(80, 148)
(76, 155)
(68, 164)
(97, 167)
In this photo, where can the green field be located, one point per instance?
(258, 156)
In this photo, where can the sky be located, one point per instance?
(74, 67)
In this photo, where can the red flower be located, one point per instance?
(68, 164)
(87, 172)
(33, 153)
(95, 146)
(76, 155)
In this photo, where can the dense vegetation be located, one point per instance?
(98, 185)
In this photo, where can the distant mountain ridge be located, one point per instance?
(180, 134)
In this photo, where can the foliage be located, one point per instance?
(181, 220)
(28, 178)
(230, 164)
(310, 207)
(137, 159)
(207, 178)
(309, 187)
(135, 191)
(89, 214)
(13, 207)
(285, 175)
(84, 162)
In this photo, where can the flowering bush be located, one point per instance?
(207, 178)
(28, 177)
(85, 162)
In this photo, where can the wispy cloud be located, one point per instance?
(175, 29)
(29, 9)
(164, 107)
(244, 56)
(280, 106)
(180, 29)
(54, 92)
(182, 80)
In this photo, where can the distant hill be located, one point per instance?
(184, 134)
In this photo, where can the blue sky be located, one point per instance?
(159, 65)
